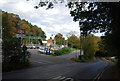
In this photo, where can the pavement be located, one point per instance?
(110, 72)
(60, 68)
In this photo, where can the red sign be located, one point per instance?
(20, 31)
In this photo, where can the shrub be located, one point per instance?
(62, 51)
(89, 46)
(75, 59)
(13, 56)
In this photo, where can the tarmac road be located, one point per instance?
(58, 68)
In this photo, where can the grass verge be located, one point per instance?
(75, 59)
(110, 59)
(82, 60)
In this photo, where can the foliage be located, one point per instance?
(102, 51)
(73, 49)
(99, 16)
(91, 16)
(112, 60)
(89, 46)
(32, 30)
(62, 51)
(75, 59)
(10, 67)
(52, 54)
(60, 40)
(74, 41)
(12, 53)
(82, 60)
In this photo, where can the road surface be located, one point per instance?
(58, 68)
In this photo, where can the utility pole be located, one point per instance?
(80, 46)
(0, 38)
(0, 26)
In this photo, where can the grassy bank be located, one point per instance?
(83, 60)
(110, 59)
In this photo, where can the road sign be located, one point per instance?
(27, 37)
(20, 31)
(20, 35)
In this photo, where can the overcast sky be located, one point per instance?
(52, 21)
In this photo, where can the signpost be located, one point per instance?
(20, 31)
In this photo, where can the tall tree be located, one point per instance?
(60, 40)
(73, 41)
(89, 46)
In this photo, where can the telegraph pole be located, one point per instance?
(1, 27)
(80, 46)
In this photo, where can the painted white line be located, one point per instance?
(62, 78)
(57, 77)
(99, 75)
(68, 79)
(42, 61)
(39, 62)
(45, 61)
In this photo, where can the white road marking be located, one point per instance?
(57, 77)
(61, 78)
(42, 61)
(99, 75)
(39, 62)
(68, 79)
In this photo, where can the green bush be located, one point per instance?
(89, 46)
(13, 55)
(73, 49)
(11, 67)
(75, 59)
(52, 54)
(58, 52)
(88, 59)
(62, 51)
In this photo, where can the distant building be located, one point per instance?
(44, 43)
(60, 46)
(51, 42)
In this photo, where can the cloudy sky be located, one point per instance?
(52, 21)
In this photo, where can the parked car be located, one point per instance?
(37, 47)
(33, 47)
(45, 50)
(42, 50)
(30, 47)
(54, 48)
